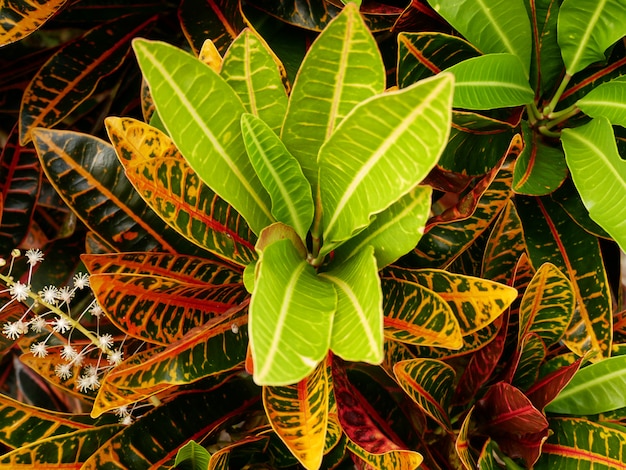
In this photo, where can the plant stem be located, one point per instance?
(561, 116)
(547, 111)
(316, 236)
(8, 281)
(533, 113)
(543, 130)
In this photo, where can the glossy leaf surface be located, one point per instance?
(357, 331)
(256, 75)
(173, 190)
(593, 159)
(20, 21)
(586, 28)
(362, 171)
(579, 443)
(89, 178)
(218, 20)
(547, 305)
(494, 27)
(490, 81)
(280, 174)
(299, 415)
(342, 68)
(552, 236)
(417, 315)
(290, 316)
(606, 100)
(596, 388)
(73, 73)
(203, 121)
(430, 383)
(394, 232)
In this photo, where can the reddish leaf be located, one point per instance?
(547, 388)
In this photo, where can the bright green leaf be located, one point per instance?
(201, 113)
(256, 75)
(395, 231)
(491, 25)
(290, 316)
(490, 81)
(586, 28)
(596, 388)
(280, 174)
(599, 174)
(342, 68)
(357, 333)
(607, 100)
(192, 456)
(381, 151)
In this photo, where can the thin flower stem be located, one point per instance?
(75, 324)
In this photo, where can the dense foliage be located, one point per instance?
(284, 234)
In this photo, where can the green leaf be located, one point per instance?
(256, 75)
(280, 174)
(394, 232)
(596, 388)
(490, 81)
(201, 113)
(581, 444)
(599, 174)
(493, 26)
(192, 456)
(422, 55)
(376, 156)
(357, 333)
(586, 28)
(290, 316)
(342, 68)
(606, 100)
(540, 169)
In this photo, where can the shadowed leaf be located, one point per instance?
(21, 18)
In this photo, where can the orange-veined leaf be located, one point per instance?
(398, 459)
(430, 383)
(471, 343)
(530, 355)
(462, 443)
(475, 302)
(174, 191)
(576, 443)
(547, 305)
(154, 439)
(299, 415)
(415, 314)
(218, 20)
(72, 74)
(220, 460)
(552, 236)
(21, 18)
(87, 175)
(213, 348)
(67, 451)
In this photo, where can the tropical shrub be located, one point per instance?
(293, 262)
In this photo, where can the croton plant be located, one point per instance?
(313, 235)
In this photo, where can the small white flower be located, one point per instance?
(126, 420)
(66, 294)
(37, 323)
(96, 310)
(3, 262)
(105, 341)
(69, 353)
(94, 383)
(116, 357)
(50, 295)
(15, 253)
(39, 349)
(14, 330)
(81, 280)
(122, 411)
(79, 358)
(83, 383)
(63, 371)
(34, 256)
(19, 291)
(61, 325)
